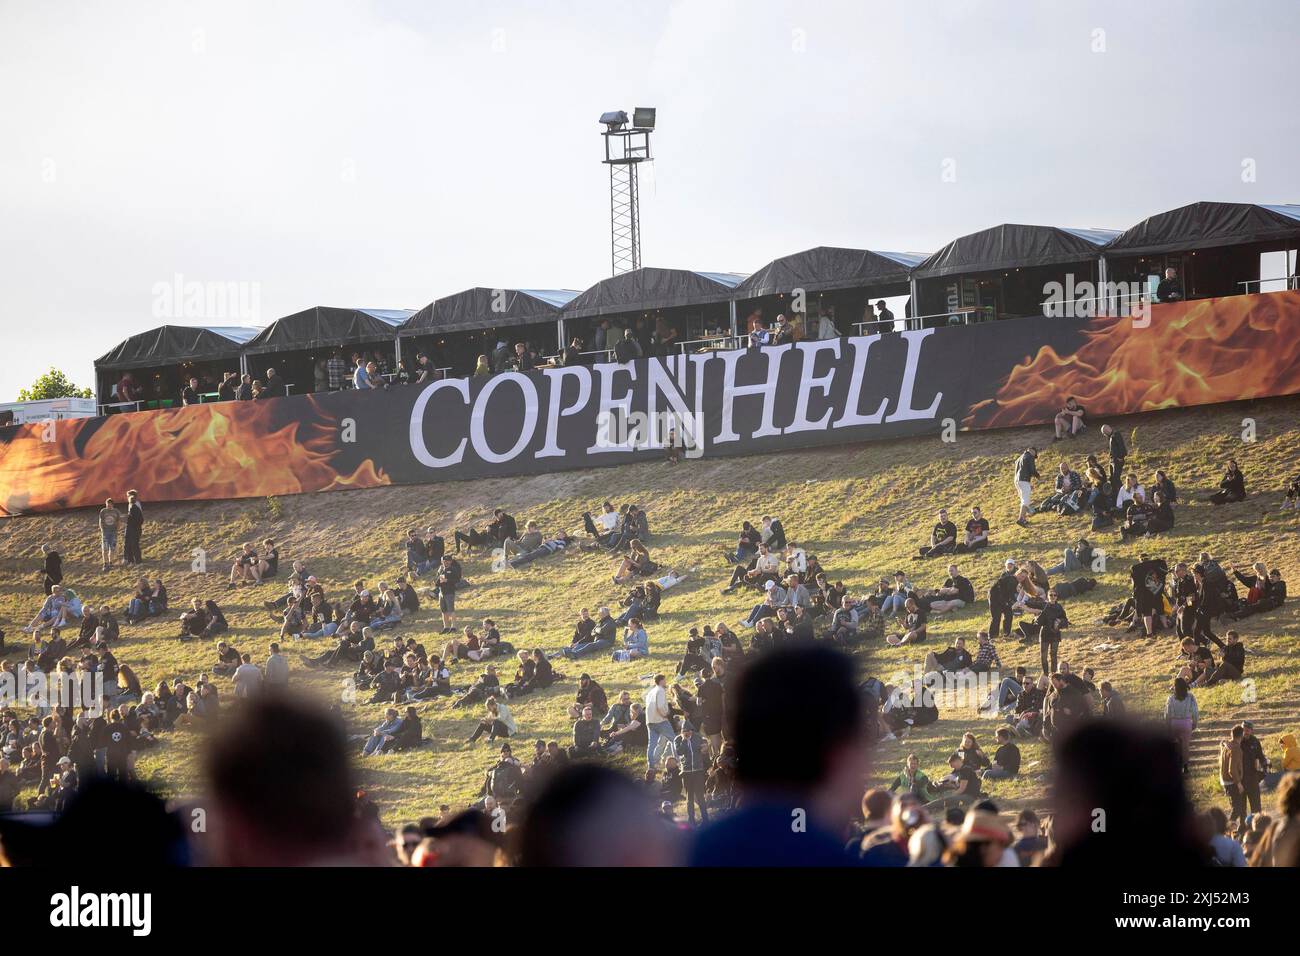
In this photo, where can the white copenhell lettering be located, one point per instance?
(767, 388)
(809, 381)
(552, 449)
(478, 415)
(608, 403)
(418, 448)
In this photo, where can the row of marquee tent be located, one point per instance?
(995, 273)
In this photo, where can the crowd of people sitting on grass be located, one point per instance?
(681, 720)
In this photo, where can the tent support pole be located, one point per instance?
(559, 334)
(397, 349)
(1103, 282)
(732, 309)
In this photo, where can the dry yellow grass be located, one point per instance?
(862, 509)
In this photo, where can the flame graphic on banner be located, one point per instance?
(222, 450)
(1191, 353)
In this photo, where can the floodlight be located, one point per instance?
(615, 119)
(643, 117)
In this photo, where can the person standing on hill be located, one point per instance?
(1232, 772)
(1026, 471)
(110, 519)
(131, 553)
(1118, 452)
(51, 568)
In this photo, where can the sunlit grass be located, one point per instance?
(862, 509)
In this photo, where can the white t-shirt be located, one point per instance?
(797, 560)
(656, 705)
(248, 677)
(1125, 496)
(767, 563)
(607, 520)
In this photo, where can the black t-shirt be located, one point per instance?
(972, 780)
(226, 390)
(1008, 758)
(189, 396)
(942, 531)
(977, 526)
(965, 590)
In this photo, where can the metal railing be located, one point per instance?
(1292, 282)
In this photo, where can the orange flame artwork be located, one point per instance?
(222, 450)
(1191, 353)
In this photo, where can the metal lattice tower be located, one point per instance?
(625, 149)
(624, 218)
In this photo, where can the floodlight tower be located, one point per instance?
(626, 147)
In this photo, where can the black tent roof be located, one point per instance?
(171, 344)
(1204, 225)
(644, 289)
(1011, 246)
(826, 268)
(481, 308)
(325, 326)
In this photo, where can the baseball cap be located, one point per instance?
(769, 585)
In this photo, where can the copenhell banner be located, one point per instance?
(990, 375)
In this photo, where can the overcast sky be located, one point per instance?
(381, 154)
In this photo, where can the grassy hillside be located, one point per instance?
(862, 509)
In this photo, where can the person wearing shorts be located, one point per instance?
(449, 577)
(109, 520)
(1025, 473)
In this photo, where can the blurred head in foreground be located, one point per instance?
(281, 790)
(1120, 800)
(589, 815)
(802, 756)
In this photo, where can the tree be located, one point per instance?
(52, 384)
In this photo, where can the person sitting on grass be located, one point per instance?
(603, 526)
(635, 524)
(1066, 493)
(321, 620)
(637, 563)
(59, 610)
(194, 621)
(894, 602)
(530, 540)
(950, 660)
(633, 735)
(586, 734)
(956, 593)
(496, 721)
(636, 643)
(1232, 487)
(1265, 590)
(765, 566)
(385, 732)
(591, 636)
(747, 546)
(912, 779)
(943, 538)
(590, 694)
(1068, 422)
(228, 660)
(246, 568)
(473, 538)
(1006, 759)
(642, 602)
(914, 625)
(1127, 493)
(553, 544)
(976, 535)
(960, 781)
